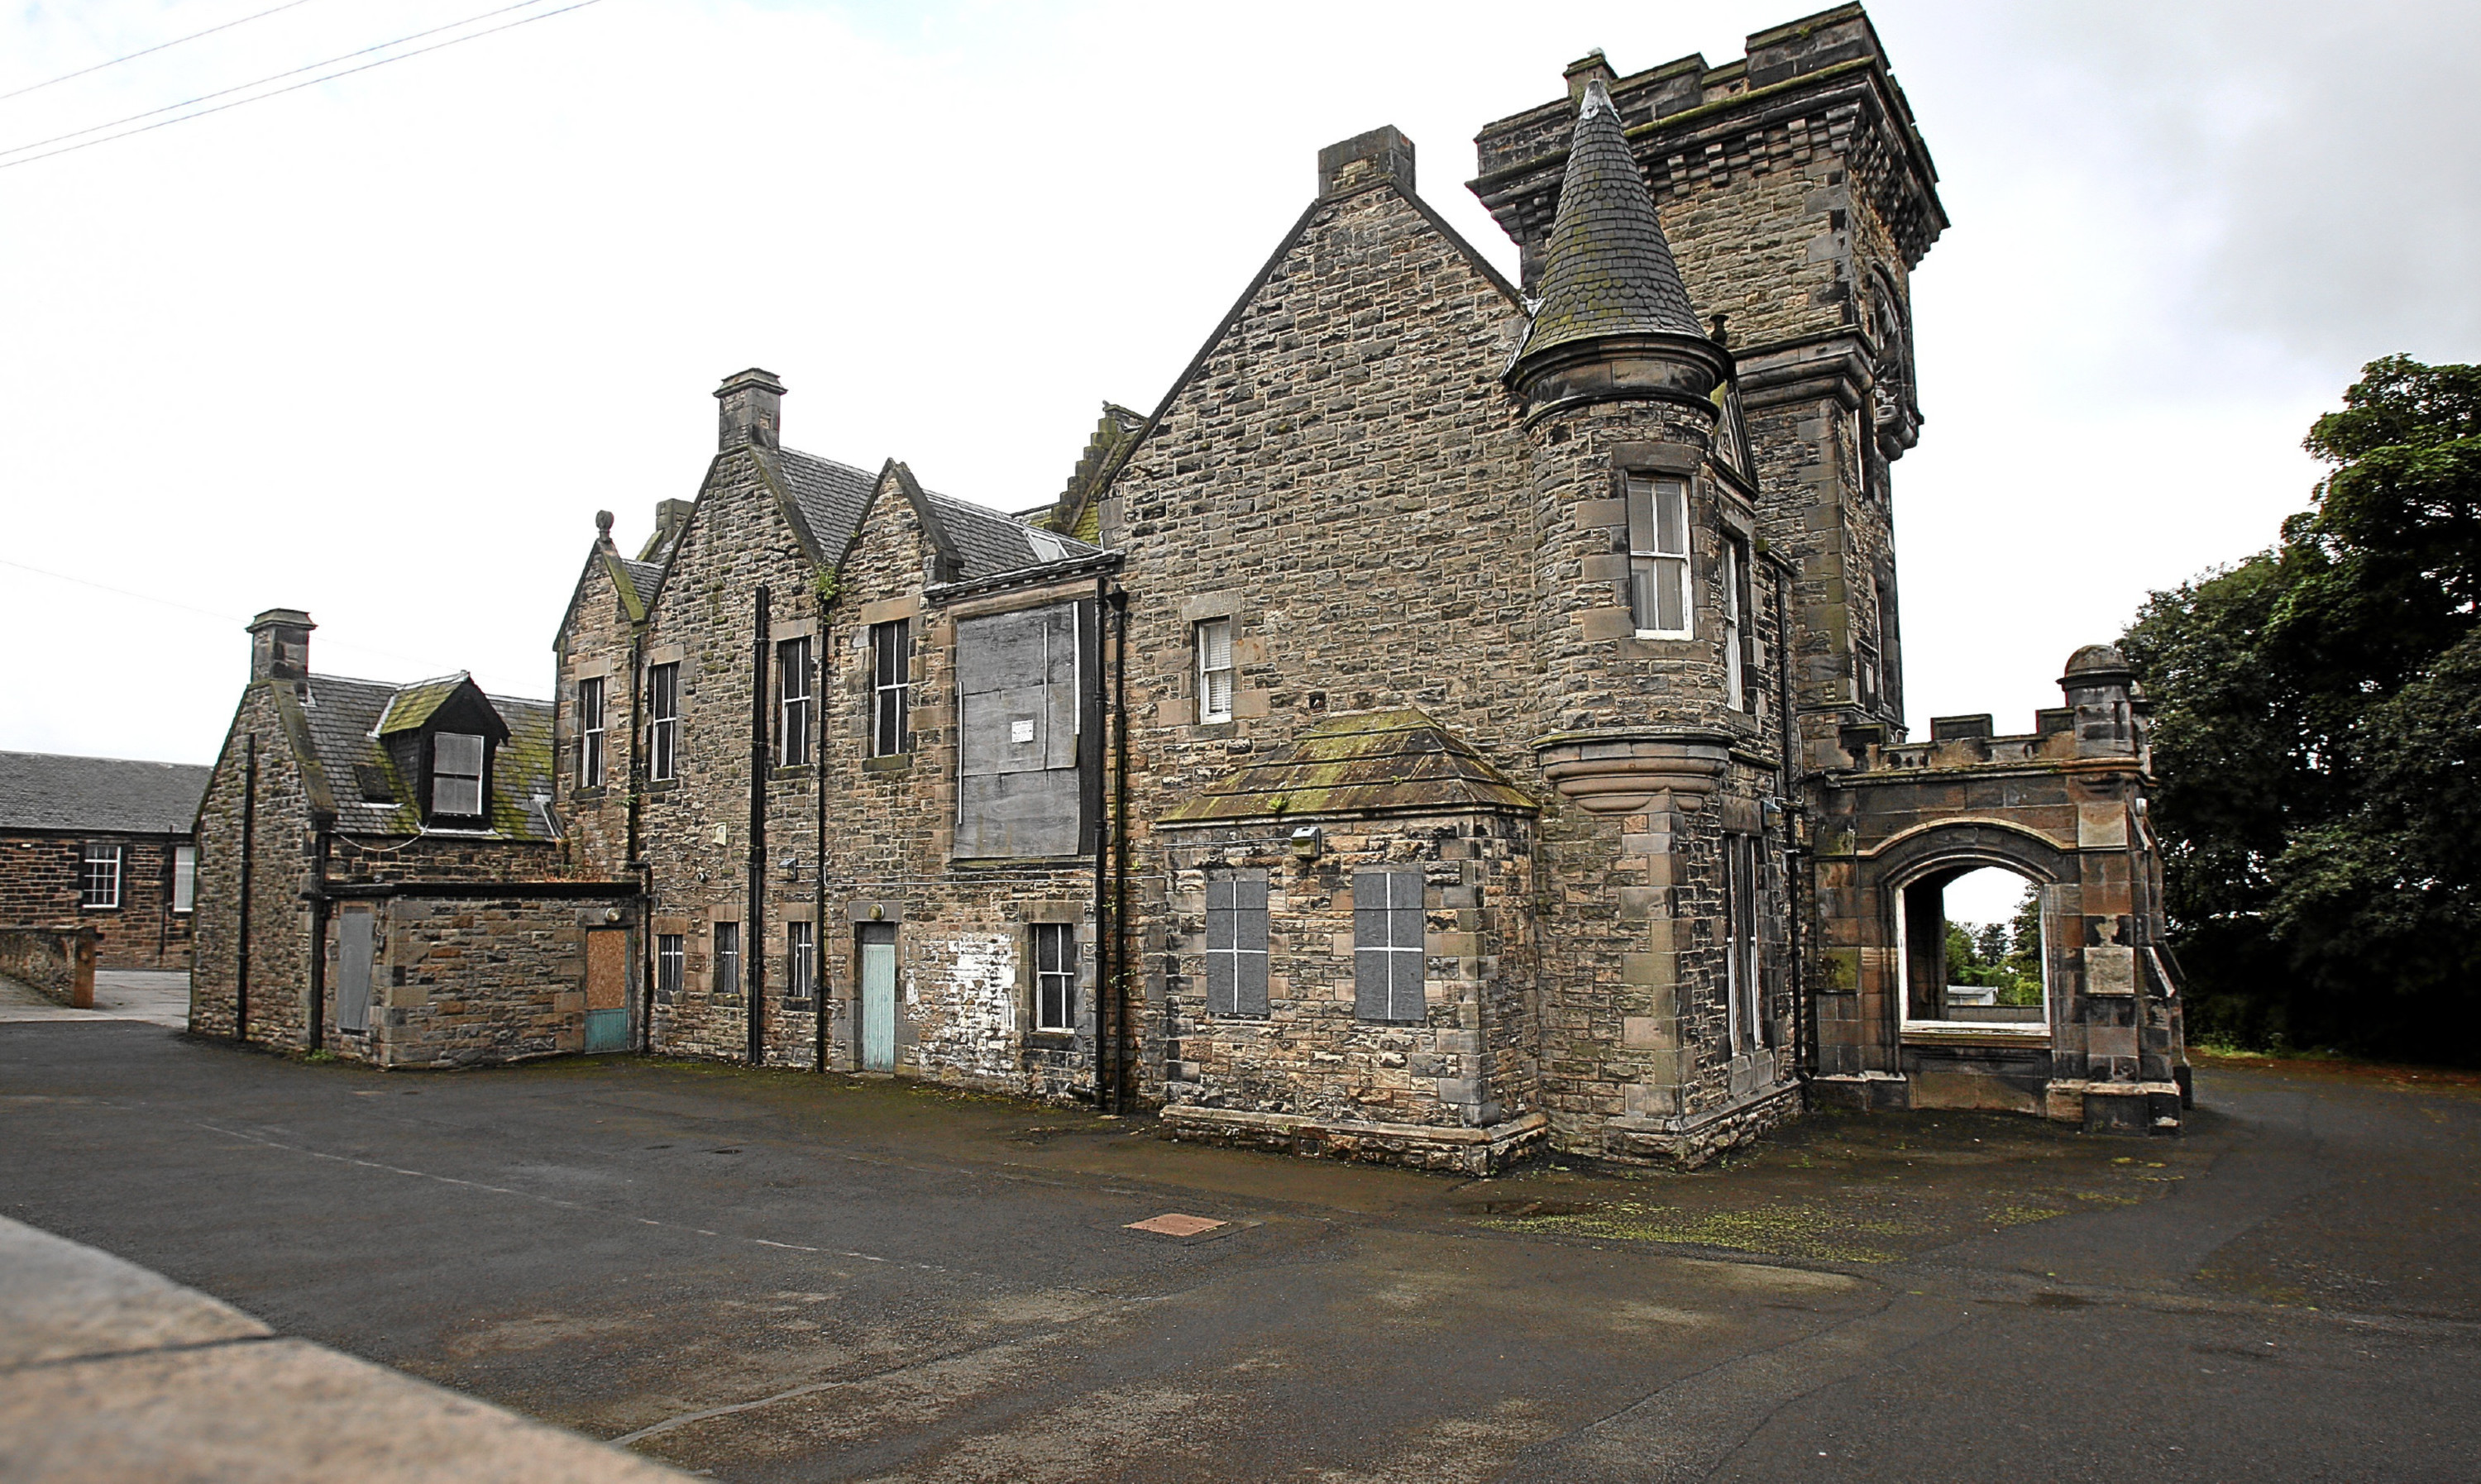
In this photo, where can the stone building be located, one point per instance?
(1463, 718)
(103, 847)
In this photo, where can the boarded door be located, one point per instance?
(877, 997)
(1018, 681)
(607, 989)
(354, 971)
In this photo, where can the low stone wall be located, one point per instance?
(1459, 1151)
(58, 962)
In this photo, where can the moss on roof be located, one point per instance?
(416, 703)
(1380, 762)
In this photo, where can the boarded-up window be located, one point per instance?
(355, 942)
(1658, 518)
(456, 774)
(1020, 790)
(1236, 944)
(1387, 935)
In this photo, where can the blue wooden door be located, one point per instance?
(877, 997)
(607, 989)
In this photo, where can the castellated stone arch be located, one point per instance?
(1908, 877)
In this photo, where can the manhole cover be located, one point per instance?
(1174, 1224)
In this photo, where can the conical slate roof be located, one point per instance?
(1607, 268)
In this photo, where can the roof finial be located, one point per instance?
(603, 523)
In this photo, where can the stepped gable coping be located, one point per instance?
(1380, 762)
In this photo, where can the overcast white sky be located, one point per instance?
(380, 347)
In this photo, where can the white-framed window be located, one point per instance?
(1214, 670)
(671, 957)
(185, 878)
(800, 959)
(662, 721)
(792, 692)
(1660, 591)
(456, 774)
(1742, 977)
(891, 689)
(726, 978)
(1388, 958)
(589, 733)
(1055, 976)
(1236, 944)
(1736, 624)
(99, 877)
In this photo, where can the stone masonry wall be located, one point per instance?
(280, 964)
(1469, 1062)
(41, 875)
(468, 981)
(599, 638)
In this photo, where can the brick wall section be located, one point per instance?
(40, 872)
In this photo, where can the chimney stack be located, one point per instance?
(1383, 153)
(279, 644)
(752, 409)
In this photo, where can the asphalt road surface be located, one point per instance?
(783, 1276)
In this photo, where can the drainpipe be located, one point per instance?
(1787, 779)
(817, 763)
(317, 896)
(248, 854)
(1102, 845)
(637, 857)
(1119, 841)
(754, 933)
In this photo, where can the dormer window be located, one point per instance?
(456, 775)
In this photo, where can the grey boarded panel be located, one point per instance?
(354, 972)
(1370, 984)
(1219, 895)
(1404, 996)
(1221, 997)
(993, 720)
(1251, 990)
(1018, 813)
(1001, 652)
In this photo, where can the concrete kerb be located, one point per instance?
(109, 1372)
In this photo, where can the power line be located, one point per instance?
(150, 51)
(204, 613)
(273, 92)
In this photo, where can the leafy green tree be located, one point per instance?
(2317, 733)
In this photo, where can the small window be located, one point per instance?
(800, 959)
(185, 878)
(671, 957)
(890, 692)
(662, 721)
(792, 690)
(727, 959)
(99, 877)
(456, 775)
(1742, 979)
(1235, 946)
(1659, 590)
(589, 733)
(1214, 670)
(1055, 976)
(1736, 625)
(1388, 927)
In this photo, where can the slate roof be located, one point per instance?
(108, 796)
(642, 576)
(342, 713)
(834, 496)
(1606, 268)
(1380, 762)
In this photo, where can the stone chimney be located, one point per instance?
(279, 644)
(1590, 68)
(1383, 153)
(752, 409)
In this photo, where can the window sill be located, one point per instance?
(588, 792)
(1051, 1040)
(1210, 731)
(661, 785)
(99, 906)
(790, 772)
(1006, 862)
(1663, 636)
(892, 762)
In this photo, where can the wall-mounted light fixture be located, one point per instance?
(1307, 844)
